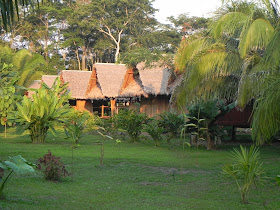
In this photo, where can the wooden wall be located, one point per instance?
(154, 105)
(84, 105)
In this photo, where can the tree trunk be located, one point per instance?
(78, 59)
(210, 141)
(46, 40)
(38, 133)
(84, 58)
(117, 52)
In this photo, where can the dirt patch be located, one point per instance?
(153, 184)
(170, 170)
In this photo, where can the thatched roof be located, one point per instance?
(36, 84)
(94, 89)
(78, 82)
(134, 88)
(154, 79)
(110, 77)
(49, 79)
(113, 80)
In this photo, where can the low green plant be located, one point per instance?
(52, 167)
(154, 129)
(196, 127)
(246, 169)
(80, 123)
(16, 164)
(131, 121)
(208, 111)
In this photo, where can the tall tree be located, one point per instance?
(119, 19)
(81, 35)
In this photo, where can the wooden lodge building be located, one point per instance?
(111, 87)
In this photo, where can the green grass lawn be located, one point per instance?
(134, 176)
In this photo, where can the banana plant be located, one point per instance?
(46, 108)
(18, 165)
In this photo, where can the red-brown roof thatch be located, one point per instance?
(114, 80)
(94, 89)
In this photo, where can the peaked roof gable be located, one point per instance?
(110, 77)
(132, 85)
(94, 89)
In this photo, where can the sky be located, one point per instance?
(200, 8)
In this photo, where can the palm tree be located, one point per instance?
(10, 9)
(209, 65)
(248, 35)
(28, 65)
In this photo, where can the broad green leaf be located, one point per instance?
(19, 165)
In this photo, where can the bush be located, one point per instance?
(52, 167)
(79, 124)
(154, 130)
(171, 122)
(131, 121)
(204, 115)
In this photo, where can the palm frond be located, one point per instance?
(207, 75)
(20, 58)
(266, 118)
(257, 36)
(230, 24)
(256, 69)
(188, 49)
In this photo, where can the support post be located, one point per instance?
(113, 106)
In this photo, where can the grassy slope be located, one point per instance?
(134, 176)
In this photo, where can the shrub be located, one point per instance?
(80, 123)
(246, 169)
(204, 114)
(131, 121)
(154, 130)
(171, 122)
(52, 167)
